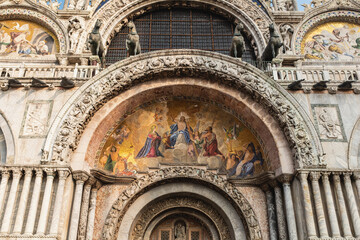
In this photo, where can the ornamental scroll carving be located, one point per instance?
(116, 213)
(222, 69)
(154, 209)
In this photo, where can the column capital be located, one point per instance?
(39, 172)
(80, 176)
(285, 178)
(97, 185)
(315, 176)
(50, 172)
(91, 181)
(347, 176)
(28, 171)
(274, 183)
(63, 174)
(356, 175)
(303, 175)
(16, 172)
(336, 177)
(5, 173)
(325, 176)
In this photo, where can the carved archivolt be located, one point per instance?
(7, 12)
(126, 198)
(115, 14)
(66, 130)
(184, 202)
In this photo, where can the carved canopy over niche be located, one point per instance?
(66, 130)
(116, 13)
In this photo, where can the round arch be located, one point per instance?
(39, 15)
(71, 121)
(116, 13)
(354, 147)
(168, 181)
(8, 138)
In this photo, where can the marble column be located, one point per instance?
(92, 208)
(80, 177)
(280, 216)
(289, 206)
(314, 177)
(23, 201)
(350, 197)
(330, 206)
(270, 211)
(5, 174)
(16, 175)
(356, 177)
(29, 228)
(342, 207)
(50, 173)
(62, 174)
(85, 208)
(309, 216)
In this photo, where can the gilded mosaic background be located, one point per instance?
(176, 132)
(332, 41)
(26, 39)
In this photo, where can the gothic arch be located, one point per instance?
(119, 221)
(117, 12)
(71, 121)
(8, 140)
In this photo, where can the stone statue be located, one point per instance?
(133, 40)
(285, 5)
(238, 43)
(286, 31)
(95, 42)
(74, 33)
(272, 49)
(180, 233)
(54, 5)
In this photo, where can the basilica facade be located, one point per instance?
(179, 120)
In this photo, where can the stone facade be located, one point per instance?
(183, 142)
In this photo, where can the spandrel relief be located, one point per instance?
(181, 132)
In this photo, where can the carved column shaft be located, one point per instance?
(289, 206)
(46, 201)
(271, 213)
(34, 202)
(63, 174)
(280, 213)
(16, 175)
(309, 216)
(85, 209)
(314, 176)
(3, 185)
(330, 206)
(342, 207)
(19, 221)
(91, 217)
(354, 213)
(80, 178)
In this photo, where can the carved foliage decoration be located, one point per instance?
(113, 220)
(184, 202)
(181, 63)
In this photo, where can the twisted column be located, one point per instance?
(5, 174)
(80, 178)
(350, 197)
(330, 206)
(280, 216)
(92, 208)
(85, 208)
(19, 221)
(271, 211)
(314, 177)
(63, 174)
(309, 216)
(50, 173)
(343, 213)
(289, 206)
(16, 175)
(29, 228)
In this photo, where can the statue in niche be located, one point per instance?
(95, 42)
(238, 43)
(286, 31)
(75, 31)
(274, 44)
(180, 232)
(133, 40)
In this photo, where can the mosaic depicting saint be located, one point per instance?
(115, 163)
(151, 147)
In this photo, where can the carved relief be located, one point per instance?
(36, 119)
(75, 28)
(112, 223)
(100, 90)
(328, 122)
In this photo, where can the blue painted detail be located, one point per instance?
(101, 4)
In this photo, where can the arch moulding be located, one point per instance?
(66, 129)
(161, 176)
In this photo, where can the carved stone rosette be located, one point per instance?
(116, 213)
(299, 132)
